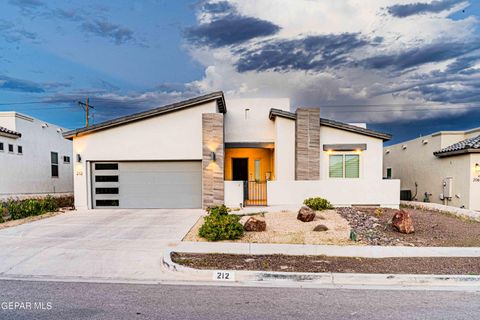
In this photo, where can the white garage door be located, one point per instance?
(159, 184)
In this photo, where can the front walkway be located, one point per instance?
(111, 245)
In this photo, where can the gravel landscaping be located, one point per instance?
(283, 227)
(432, 229)
(360, 226)
(285, 263)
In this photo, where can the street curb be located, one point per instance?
(300, 279)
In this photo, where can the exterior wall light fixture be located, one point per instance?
(213, 156)
(477, 168)
(79, 158)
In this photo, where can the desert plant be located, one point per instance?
(49, 204)
(218, 210)
(318, 203)
(378, 212)
(221, 227)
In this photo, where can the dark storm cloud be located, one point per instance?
(436, 52)
(27, 6)
(110, 105)
(228, 30)
(12, 33)
(8, 83)
(406, 10)
(461, 64)
(311, 53)
(117, 33)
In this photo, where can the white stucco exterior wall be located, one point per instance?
(340, 192)
(370, 159)
(417, 163)
(474, 182)
(30, 172)
(252, 125)
(284, 149)
(172, 136)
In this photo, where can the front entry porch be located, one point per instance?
(253, 166)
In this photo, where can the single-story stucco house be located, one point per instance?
(208, 151)
(443, 168)
(35, 159)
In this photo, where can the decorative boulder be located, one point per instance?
(403, 222)
(255, 224)
(320, 228)
(306, 214)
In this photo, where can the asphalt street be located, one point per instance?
(73, 300)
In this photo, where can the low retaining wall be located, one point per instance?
(465, 213)
(34, 196)
(342, 192)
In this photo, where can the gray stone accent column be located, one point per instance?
(212, 171)
(307, 144)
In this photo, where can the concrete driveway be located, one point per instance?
(94, 245)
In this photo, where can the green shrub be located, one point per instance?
(318, 204)
(19, 209)
(221, 227)
(218, 210)
(49, 204)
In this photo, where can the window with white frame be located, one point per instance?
(66, 159)
(1, 146)
(344, 166)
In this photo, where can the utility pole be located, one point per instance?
(86, 107)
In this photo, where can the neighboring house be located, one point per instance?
(35, 159)
(207, 151)
(445, 166)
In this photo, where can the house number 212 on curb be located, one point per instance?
(221, 275)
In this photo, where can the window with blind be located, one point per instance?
(344, 166)
(336, 166)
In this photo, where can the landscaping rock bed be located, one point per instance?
(283, 227)
(432, 229)
(286, 263)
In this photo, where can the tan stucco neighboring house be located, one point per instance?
(443, 168)
(241, 152)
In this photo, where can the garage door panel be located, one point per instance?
(161, 184)
(167, 178)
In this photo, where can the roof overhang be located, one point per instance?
(4, 132)
(215, 96)
(281, 113)
(455, 153)
(355, 129)
(262, 145)
(333, 124)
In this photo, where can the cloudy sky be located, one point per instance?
(407, 67)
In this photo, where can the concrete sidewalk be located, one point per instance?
(329, 250)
